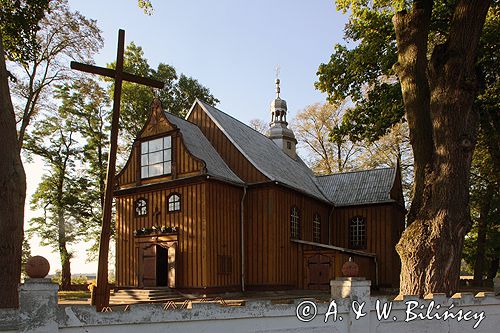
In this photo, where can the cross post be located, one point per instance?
(102, 289)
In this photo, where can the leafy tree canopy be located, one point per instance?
(364, 71)
(19, 25)
(177, 96)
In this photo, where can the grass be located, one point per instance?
(73, 295)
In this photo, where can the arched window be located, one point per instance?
(317, 228)
(174, 202)
(295, 223)
(141, 207)
(357, 233)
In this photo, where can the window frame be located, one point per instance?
(164, 161)
(136, 201)
(358, 233)
(170, 196)
(295, 224)
(316, 228)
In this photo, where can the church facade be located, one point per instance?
(207, 203)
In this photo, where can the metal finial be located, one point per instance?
(277, 80)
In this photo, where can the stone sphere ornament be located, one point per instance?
(350, 268)
(37, 267)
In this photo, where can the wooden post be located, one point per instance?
(102, 289)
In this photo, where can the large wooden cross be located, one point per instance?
(101, 295)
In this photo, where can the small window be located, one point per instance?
(295, 223)
(141, 207)
(174, 202)
(357, 233)
(156, 157)
(317, 228)
(289, 145)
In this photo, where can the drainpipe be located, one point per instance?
(242, 225)
(330, 226)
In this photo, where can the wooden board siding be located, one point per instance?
(272, 259)
(192, 244)
(184, 164)
(337, 259)
(380, 222)
(223, 232)
(229, 153)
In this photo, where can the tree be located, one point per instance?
(63, 36)
(88, 103)
(482, 244)
(431, 47)
(177, 96)
(259, 125)
(329, 149)
(60, 192)
(17, 28)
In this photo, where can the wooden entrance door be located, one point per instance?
(319, 272)
(157, 265)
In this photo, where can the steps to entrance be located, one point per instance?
(130, 296)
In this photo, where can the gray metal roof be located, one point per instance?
(265, 155)
(199, 146)
(361, 187)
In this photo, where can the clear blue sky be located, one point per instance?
(230, 46)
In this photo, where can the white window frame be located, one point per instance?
(357, 232)
(294, 223)
(317, 228)
(156, 157)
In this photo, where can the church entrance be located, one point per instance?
(157, 262)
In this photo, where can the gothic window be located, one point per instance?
(141, 207)
(357, 233)
(295, 223)
(316, 228)
(156, 157)
(174, 202)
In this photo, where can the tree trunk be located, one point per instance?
(484, 211)
(12, 196)
(438, 96)
(492, 272)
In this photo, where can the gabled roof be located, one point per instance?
(200, 147)
(264, 154)
(360, 187)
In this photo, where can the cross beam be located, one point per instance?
(102, 289)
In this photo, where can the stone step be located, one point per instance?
(144, 295)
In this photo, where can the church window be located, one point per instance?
(295, 223)
(316, 228)
(174, 202)
(156, 157)
(357, 233)
(141, 207)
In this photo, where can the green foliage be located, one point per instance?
(482, 169)
(365, 72)
(85, 101)
(25, 256)
(19, 25)
(146, 6)
(177, 96)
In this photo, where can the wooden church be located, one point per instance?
(208, 204)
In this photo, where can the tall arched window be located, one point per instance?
(174, 202)
(317, 228)
(295, 223)
(357, 233)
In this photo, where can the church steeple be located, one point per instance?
(279, 131)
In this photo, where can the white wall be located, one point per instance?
(39, 314)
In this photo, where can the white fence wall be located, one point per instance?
(40, 313)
